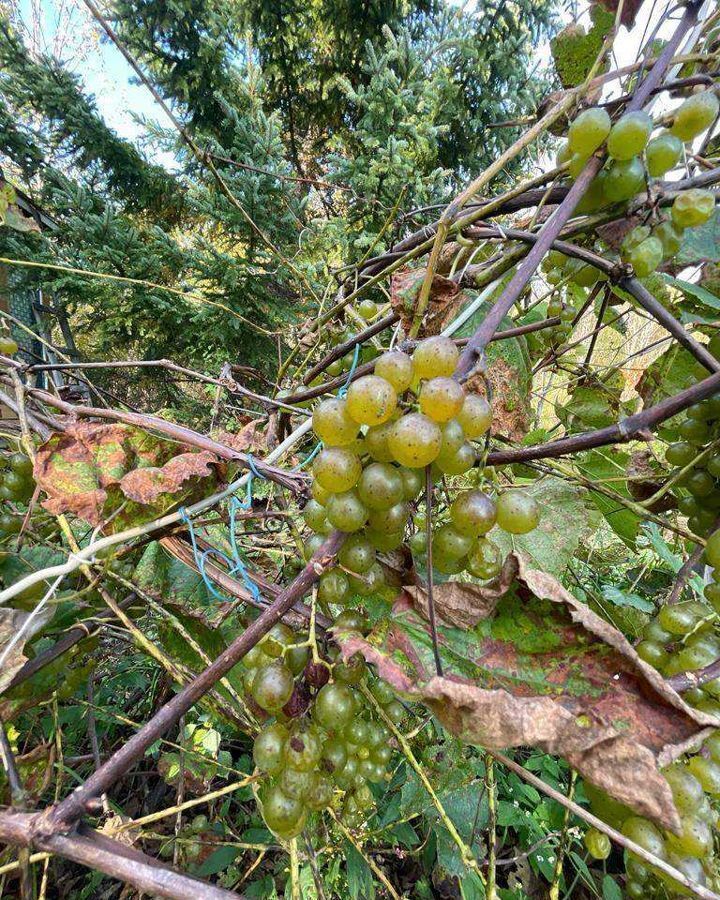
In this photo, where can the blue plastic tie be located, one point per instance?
(344, 389)
(309, 458)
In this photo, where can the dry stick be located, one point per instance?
(428, 551)
(684, 573)
(625, 430)
(687, 680)
(17, 797)
(550, 231)
(341, 349)
(73, 807)
(614, 835)
(113, 858)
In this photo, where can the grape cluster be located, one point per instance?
(408, 415)
(324, 747)
(695, 783)
(634, 157)
(16, 486)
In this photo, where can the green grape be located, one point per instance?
(272, 686)
(475, 416)
(389, 521)
(380, 486)
(8, 347)
(254, 657)
(453, 437)
(517, 512)
(321, 794)
(296, 659)
(384, 541)
(351, 672)
(711, 592)
(10, 524)
(333, 424)
(686, 789)
(707, 772)
(303, 747)
(624, 179)
(484, 560)
(448, 565)
(381, 754)
(418, 543)
(315, 517)
(693, 207)
(441, 398)
(689, 506)
(333, 587)
(346, 511)
(670, 237)
(588, 131)
(577, 163)
(367, 309)
(21, 464)
(698, 652)
(319, 493)
(584, 275)
(663, 153)
(376, 442)
(652, 653)
(382, 692)
(334, 755)
(396, 368)
(447, 541)
(629, 135)
(296, 783)
(268, 749)
(334, 369)
(345, 777)
(337, 469)
(357, 554)
(635, 890)
(277, 639)
(415, 440)
(395, 711)
(690, 866)
(695, 115)
(462, 460)
(554, 308)
(413, 482)
(680, 454)
(644, 833)
(699, 483)
(334, 707)
(597, 844)
(694, 431)
(594, 197)
(435, 357)
(357, 731)
(695, 837)
(712, 549)
(678, 619)
(351, 620)
(712, 745)
(282, 814)
(369, 582)
(371, 400)
(646, 257)
(473, 513)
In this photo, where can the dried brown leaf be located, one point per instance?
(443, 304)
(461, 603)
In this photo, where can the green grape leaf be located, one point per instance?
(359, 874)
(618, 597)
(701, 244)
(589, 407)
(670, 373)
(566, 520)
(545, 671)
(117, 475)
(703, 296)
(611, 466)
(611, 889)
(574, 52)
(218, 861)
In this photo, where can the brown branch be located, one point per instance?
(74, 806)
(684, 573)
(341, 349)
(686, 680)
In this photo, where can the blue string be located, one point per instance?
(344, 389)
(309, 458)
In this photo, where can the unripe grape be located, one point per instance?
(652, 653)
(418, 543)
(686, 789)
(268, 749)
(629, 135)
(697, 654)
(693, 207)
(367, 309)
(296, 659)
(303, 747)
(334, 707)
(447, 541)
(346, 511)
(8, 347)
(663, 153)
(277, 640)
(563, 154)
(380, 486)
(389, 521)
(462, 460)
(319, 493)
(678, 619)
(646, 257)
(576, 164)
(371, 400)
(695, 837)
(351, 672)
(670, 237)
(644, 833)
(333, 424)
(624, 179)
(384, 541)
(372, 581)
(632, 239)
(712, 549)
(695, 115)
(396, 368)
(272, 686)
(321, 794)
(588, 131)
(707, 772)
(334, 586)
(694, 431)
(415, 440)
(484, 560)
(357, 554)
(517, 512)
(315, 517)
(334, 755)
(21, 464)
(441, 398)
(434, 357)
(598, 844)
(473, 513)
(337, 469)
(594, 197)
(583, 275)
(282, 814)
(376, 442)
(413, 482)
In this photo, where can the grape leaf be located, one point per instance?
(602, 465)
(670, 373)
(545, 671)
(698, 293)
(566, 520)
(119, 473)
(701, 244)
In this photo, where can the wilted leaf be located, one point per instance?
(15, 219)
(94, 470)
(12, 622)
(443, 303)
(565, 521)
(460, 603)
(545, 671)
(574, 51)
(629, 10)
